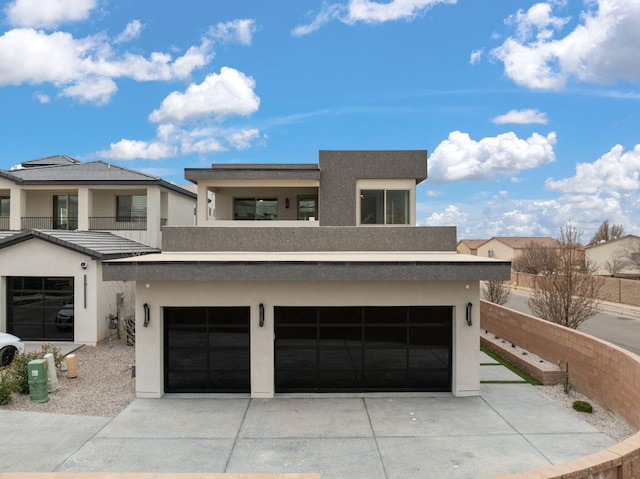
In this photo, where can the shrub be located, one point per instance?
(582, 406)
(5, 390)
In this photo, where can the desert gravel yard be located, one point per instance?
(104, 387)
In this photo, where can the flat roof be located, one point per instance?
(305, 256)
(306, 266)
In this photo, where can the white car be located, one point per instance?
(9, 346)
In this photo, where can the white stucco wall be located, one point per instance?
(36, 257)
(158, 294)
(616, 250)
(500, 250)
(179, 210)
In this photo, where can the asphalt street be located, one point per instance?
(618, 324)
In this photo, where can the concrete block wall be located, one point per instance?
(598, 369)
(615, 290)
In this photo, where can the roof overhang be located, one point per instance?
(306, 266)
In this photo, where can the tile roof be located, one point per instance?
(473, 243)
(64, 170)
(98, 245)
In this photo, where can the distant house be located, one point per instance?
(612, 258)
(308, 278)
(510, 247)
(469, 246)
(59, 219)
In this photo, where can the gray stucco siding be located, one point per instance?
(306, 271)
(340, 170)
(324, 238)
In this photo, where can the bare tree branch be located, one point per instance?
(567, 295)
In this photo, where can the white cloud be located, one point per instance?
(172, 141)
(368, 11)
(130, 149)
(98, 90)
(228, 93)
(85, 68)
(603, 47)
(42, 97)
(131, 32)
(240, 31)
(460, 158)
(606, 188)
(476, 56)
(450, 216)
(616, 173)
(47, 13)
(521, 117)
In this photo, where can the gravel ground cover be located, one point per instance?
(104, 387)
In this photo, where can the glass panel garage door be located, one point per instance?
(329, 349)
(207, 349)
(40, 308)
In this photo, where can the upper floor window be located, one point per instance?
(255, 209)
(131, 208)
(389, 207)
(5, 206)
(307, 208)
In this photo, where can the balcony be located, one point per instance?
(110, 223)
(4, 223)
(96, 223)
(49, 223)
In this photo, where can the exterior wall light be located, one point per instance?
(147, 315)
(469, 306)
(261, 321)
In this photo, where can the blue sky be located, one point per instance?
(529, 110)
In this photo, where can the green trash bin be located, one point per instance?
(37, 371)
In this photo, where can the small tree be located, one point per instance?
(535, 259)
(632, 256)
(615, 265)
(498, 292)
(567, 295)
(606, 232)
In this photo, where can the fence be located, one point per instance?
(616, 290)
(599, 370)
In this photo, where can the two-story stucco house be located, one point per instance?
(59, 219)
(308, 278)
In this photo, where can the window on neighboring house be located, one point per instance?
(65, 212)
(255, 209)
(131, 208)
(307, 208)
(389, 207)
(5, 206)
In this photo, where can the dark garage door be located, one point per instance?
(40, 308)
(330, 349)
(207, 349)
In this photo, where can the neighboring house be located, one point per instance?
(57, 214)
(510, 247)
(62, 193)
(51, 286)
(308, 278)
(469, 246)
(619, 257)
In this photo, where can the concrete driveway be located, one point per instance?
(511, 427)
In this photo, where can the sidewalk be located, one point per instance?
(511, 427)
